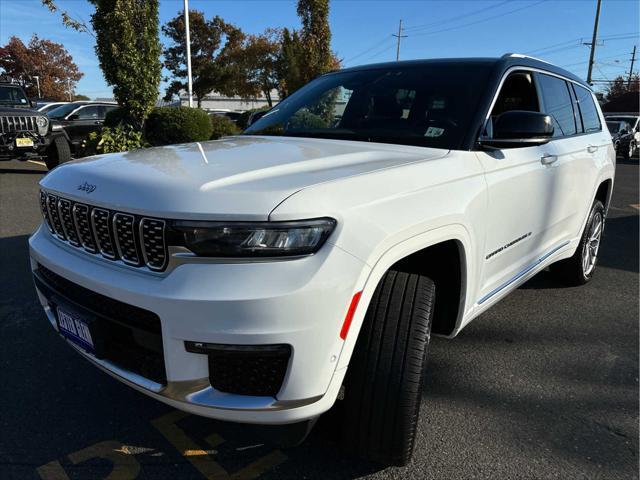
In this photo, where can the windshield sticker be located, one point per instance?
(434, 132)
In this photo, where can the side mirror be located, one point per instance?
(32, 103)
(519, 128)
(256, 116)
(75, 116)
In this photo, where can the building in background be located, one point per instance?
(217, 101)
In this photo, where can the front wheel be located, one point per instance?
(579, 269)
(383, 387)
(59, 152)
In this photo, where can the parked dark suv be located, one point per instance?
(79, 119)
(26, 133)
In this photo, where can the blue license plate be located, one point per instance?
(75, 328)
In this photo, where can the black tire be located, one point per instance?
(384, 381)
(626, 151)
(572, 271)
(59, 152)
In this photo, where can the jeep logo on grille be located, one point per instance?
(87, 187)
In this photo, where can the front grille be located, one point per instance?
(256, 370)
(129, 336)
(134, 240)
(14, 123)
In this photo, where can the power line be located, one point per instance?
(481, 20)
(456, 18)
(374, 46)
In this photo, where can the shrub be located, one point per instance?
(243, 120)
(304, 119)
(223, 126)
(167, 125)
(122, 138)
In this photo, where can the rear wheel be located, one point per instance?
(579, 269)
(59, 152)
(384, 381)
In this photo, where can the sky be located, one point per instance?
(553, 30)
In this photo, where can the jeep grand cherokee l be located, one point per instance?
(261, 277)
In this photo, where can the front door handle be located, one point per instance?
(548, 159)
(592, 148)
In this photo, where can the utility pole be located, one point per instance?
(399, 36)
(593, 42)
(188, 42)
(633, 59)
(69, 87)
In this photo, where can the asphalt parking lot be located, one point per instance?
(544, 385)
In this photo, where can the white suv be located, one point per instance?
(261, 277)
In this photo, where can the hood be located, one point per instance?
(239, 178)
(18, 110)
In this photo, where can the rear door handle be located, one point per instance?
(592, 148)
(548, 159)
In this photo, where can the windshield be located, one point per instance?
(12, 96)
(427, 105)
(63, 110)
(48, 108)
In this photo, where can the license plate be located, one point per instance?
(73, 327)
(24, 142)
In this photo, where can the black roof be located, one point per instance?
(502, 63)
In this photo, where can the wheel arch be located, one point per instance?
(446, 247)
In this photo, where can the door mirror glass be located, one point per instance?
(519, 128)
(75, 116)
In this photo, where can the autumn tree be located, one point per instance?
(211, 40)
(306, 54)
(621, 85)
(49, 61)
(253, 65)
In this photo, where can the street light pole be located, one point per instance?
(69, 87)
(38, 84)
(188, 42)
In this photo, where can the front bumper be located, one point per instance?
(300, 303)
(9, 150)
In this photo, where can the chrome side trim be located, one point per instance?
(521, 274)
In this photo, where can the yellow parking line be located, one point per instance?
(200, 459)
(37, 162)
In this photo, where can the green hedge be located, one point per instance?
(222, 127)
(168, 125)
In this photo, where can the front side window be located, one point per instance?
(588, 110)
(518, 92)
(89, 113)
(425, 105)
(558, 105)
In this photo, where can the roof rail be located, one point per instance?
(522, 55)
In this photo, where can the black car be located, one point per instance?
(26, 133)
(632, 125)
(622, 136)
(79, 119)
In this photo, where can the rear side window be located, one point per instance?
(588, 110)
(558, 105)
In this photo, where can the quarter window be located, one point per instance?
(558, 105)
(588, 110)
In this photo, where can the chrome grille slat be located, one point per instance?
(83, 227)
(125, 237)
(64, 210)
(17, 123)
(54, 215)
(154, 248)
(117, 236)
(101, 226)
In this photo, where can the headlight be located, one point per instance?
(42, 123)
(260, 239)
